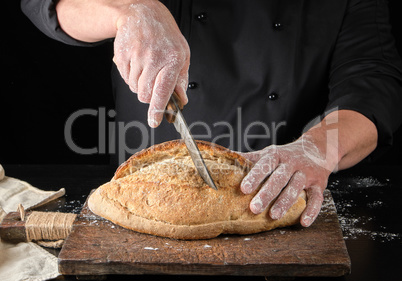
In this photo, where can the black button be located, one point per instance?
(192, 85)
(202, 17)
(273, 96)
(277, 26)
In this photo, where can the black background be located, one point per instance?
(44, 82)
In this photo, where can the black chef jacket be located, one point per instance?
(261, 70)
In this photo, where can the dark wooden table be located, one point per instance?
(367, 198)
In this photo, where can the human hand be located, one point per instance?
(283, 172)
(152, 56)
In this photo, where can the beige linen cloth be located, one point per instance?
(24, 261)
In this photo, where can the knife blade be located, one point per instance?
(174, 115)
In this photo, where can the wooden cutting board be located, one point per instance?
(99, 247)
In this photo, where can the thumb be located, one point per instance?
(251, 156)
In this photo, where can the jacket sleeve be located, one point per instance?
(43, 15)
(366, 70)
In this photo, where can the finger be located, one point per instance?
(255, 156)
(261, 170)
(164, 85)
(122, 57)
(133, 77)
(252, 156)
(182, 84)
(271, 188)
(314, 202)
(146, 83)
(288, 196)
(123, 68)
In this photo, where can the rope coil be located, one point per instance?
(48, 226)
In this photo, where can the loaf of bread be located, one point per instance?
(159, 191)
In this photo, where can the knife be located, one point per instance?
(46, 228)
(174, 115)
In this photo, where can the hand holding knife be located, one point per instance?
(174, 115)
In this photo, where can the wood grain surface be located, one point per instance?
(12, 228)
(99, 247)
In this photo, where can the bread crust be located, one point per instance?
(158, 191)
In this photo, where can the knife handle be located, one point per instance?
(171, 109)
(37, 227)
